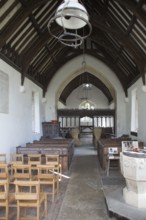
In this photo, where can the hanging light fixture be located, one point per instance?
(72, 17)
(84, 80)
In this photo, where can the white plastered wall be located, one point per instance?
(141, 96)
(16, 125)
(95, 96)
(97, 68)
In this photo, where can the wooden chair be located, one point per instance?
(7, 200)
(28, 196)
(22, 172)
(16, 159)
(53, 160)
(46, 176)
(4, 202)
(33, 161)
(2, 158)
(113, 154)
(4, 171)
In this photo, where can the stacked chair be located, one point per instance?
(31, 181)
(46, 176)
(28, 195)
(53, 160)
(7, 198)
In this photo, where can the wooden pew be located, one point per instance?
(65, 150)
(102, 149)
(105, 143)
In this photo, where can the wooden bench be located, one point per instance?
(67, 142)
(106, 143)
(65, 150)
(103, 147)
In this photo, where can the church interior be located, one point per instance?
(72, 109)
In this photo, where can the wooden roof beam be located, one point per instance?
(51, 55)
(133, 7)
(17, 19)
(2, 2)
(137, 55)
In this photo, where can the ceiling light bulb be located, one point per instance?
(71, 15)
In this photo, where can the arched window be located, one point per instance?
(87, 105)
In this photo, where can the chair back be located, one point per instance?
(16, 159)
(4, 171)
(46, 171)
(27, 190)
(3, 190)
(34, 159)
(2, 158)
(52, 159)
(21, 171)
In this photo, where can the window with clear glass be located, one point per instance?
(134, 111)
(35, 112)
(87, 105)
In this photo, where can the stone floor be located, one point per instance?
(82, 196)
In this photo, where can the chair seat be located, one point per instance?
(24, 196)
(46, 182)
(32, 202)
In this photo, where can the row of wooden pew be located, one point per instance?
(62, 147)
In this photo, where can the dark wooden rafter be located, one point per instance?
(104, 42)
(53, 62)
(129, 28)
(132, 6)
(138, 56)
(40, 62)
(9, 10)
(107, 51)
(17, 19)
(2, 2)
(137, 13)
(38, 55)
(51, 54)
(27, 59)
(32, 49)
(113, 29)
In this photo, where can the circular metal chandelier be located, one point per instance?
(72, 17)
